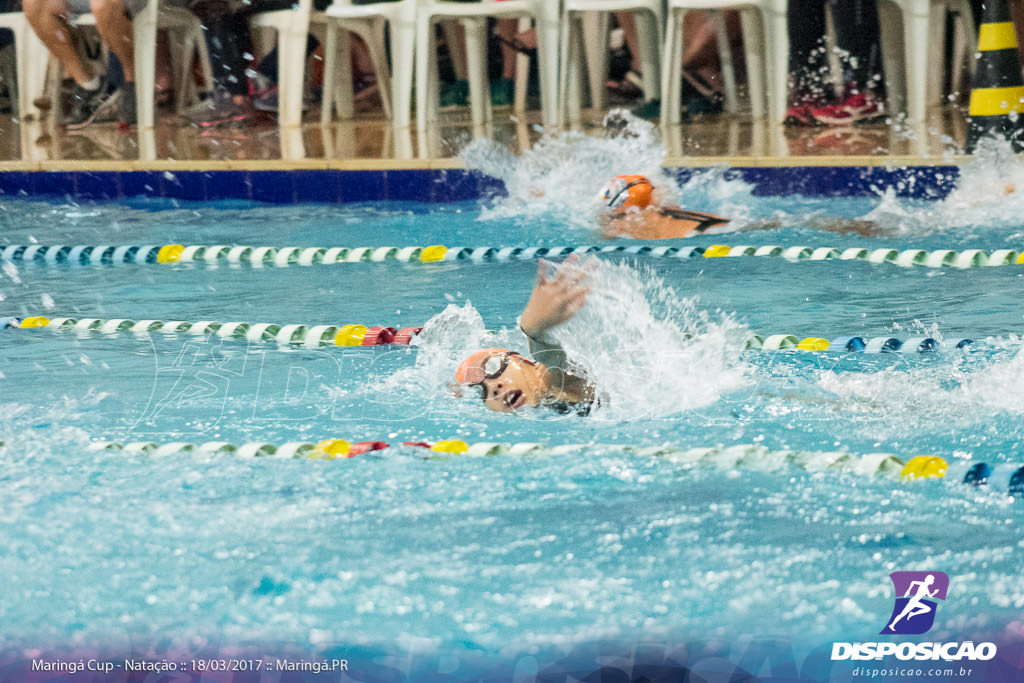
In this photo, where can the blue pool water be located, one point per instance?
(485, 554)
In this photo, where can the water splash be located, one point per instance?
(988, 199)
(650, 352)
(560, 177)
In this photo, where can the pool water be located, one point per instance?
(487, 554)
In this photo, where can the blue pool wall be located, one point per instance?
(436, 185)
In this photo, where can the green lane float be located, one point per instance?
(743, 456)
(282, 257)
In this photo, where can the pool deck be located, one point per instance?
(370, 142)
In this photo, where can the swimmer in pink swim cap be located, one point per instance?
(631, 210)
(508, 381)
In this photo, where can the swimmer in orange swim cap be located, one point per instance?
(631, 210)
(508, 381)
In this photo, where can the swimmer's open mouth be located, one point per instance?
(514, 399)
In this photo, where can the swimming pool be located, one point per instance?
(470, 563)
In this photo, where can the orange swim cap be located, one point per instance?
(472, 369)
(625, 191)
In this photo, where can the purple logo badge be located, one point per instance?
(916, 595)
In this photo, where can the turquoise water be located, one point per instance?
(487, 554)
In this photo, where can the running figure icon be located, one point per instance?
(916, 601)
(914, 606)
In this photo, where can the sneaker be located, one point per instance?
(90, 105)
(128, 114)
(268, 102)
(503, 92)
(220, 110)
(859, 107)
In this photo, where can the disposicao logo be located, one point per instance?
(916, 601)
(916, 595)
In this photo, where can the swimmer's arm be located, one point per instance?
(554, 300)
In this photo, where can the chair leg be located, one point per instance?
(32, 58)
(671, 86)
(145, 70)
(403, 34)
(476, 50)
(292, 51)
(425, 51)
(379, 57)
(777, 40)
(725, 57)
(548, 28)
(343, 94)
(916, 41)
(755, 47)
(649, 34)
(571, 67)
(329, 92)
(595, 47)
(890, 19)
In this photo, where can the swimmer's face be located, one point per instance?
(506, 380)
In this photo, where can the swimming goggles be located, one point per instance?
(617, 191)
(493, 368)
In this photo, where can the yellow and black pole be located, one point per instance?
(997, 96)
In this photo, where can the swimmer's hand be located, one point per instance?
(556, 299)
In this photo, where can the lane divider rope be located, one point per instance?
(309, 336)
(313, 336)
(742, 456)
(260, 256)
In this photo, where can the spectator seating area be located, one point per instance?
(571, 48)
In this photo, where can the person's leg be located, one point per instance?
(115, 28)
(506, 30)
(858, 38)
(627, 22)
(503, 89)
(807, 57)
(47, 18)
(228, 41)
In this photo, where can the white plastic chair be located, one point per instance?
(368, 22)
(908, 54)
(186, 33)
(31, 57)
(584, 31)
(766, 47)
(473, 16)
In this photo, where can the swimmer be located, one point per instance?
(508, 381)
(631, 211)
